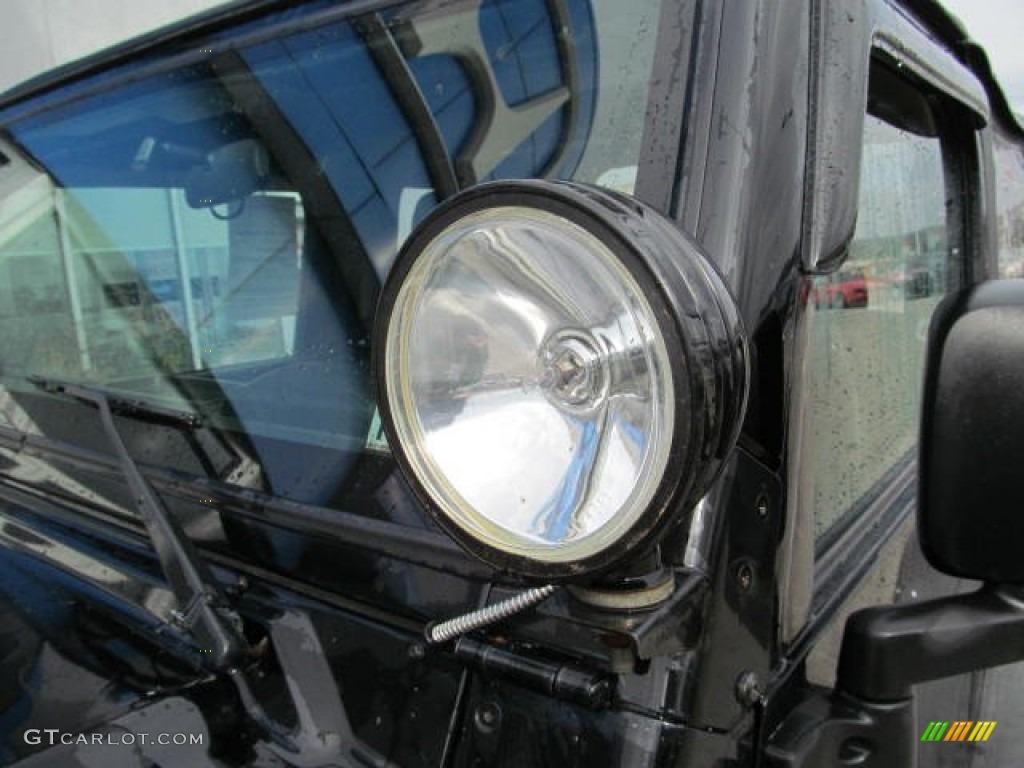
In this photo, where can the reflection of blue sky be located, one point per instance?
(525, 464)
(605, 431)
(557, 518)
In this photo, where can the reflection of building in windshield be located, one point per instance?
(114, 297)
(459, 350)
(214, 236)
(435, 102)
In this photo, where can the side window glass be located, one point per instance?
(870, 319)
(1009, 161)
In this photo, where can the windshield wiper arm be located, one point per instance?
(323, 735)
(204, 610)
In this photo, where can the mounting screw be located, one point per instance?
(417, 651)
(762, 506)
(745, 577)
(749, 691)
(487, 717)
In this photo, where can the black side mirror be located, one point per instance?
(969, 523)
(972, 435)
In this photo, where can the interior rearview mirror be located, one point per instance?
(231, 173)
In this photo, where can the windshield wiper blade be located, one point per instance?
(120, 403)
(204, 611)
(322, 735)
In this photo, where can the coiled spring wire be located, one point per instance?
(440, 632)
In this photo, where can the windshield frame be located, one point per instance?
(179, 45)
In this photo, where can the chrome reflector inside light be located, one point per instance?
(536, 382)
(533, 382)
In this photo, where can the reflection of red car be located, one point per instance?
(842, 289)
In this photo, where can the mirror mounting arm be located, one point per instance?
(844, 730)
(870, 718)
(888, 649)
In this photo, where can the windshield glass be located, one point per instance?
(212, 237)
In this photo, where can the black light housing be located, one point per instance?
(561, 372)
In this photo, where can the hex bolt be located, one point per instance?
(749, 691)
(487, 717)
(745, 577)
(762, 507)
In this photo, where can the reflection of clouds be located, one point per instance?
(37, 36)
(506, 453)
(990, 24)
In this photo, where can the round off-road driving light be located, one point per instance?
(561, 372)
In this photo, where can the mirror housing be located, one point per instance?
(971, 449)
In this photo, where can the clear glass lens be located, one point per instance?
(530, 385)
